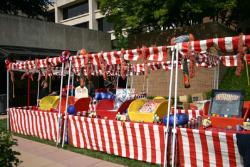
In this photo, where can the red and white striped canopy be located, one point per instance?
(32, 64)
(155, 54)
(226, 44)
(158, 54)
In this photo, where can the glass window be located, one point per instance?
(51, 17)
(98, 5)
(104, 25)
(82, 25)
(75, 10)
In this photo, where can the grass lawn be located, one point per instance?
(232, 82)
(94, 154)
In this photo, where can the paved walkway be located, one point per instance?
(42, 155)
(3, 117)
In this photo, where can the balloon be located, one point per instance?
(104, 95)
(71, 109)
(181, 119)
(98, 96)
(171, 120)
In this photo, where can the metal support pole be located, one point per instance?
(8, 102)
(147, 85)
(132, 78)
(169, 107)
(72, 85)
(58, 139)
(117, 82)
(38, 90)
(215, 77)
(127, 80)
(175, 107)
(218, 77)
(248, 81)
(28, 104)
(67, 99)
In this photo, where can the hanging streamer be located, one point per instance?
(8, 65)
(186, 74)
(188, 70)
(103, 65)
(240, 56)
(124, 66)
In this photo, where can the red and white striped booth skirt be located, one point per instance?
(131, 140)
(139, 141)
(208, 148)
(28, 121)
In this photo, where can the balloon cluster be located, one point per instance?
(104, 95)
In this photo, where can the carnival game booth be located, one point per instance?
(142, 110)
(217, 140)
(41, 122)
(139, 140)
(155, 142)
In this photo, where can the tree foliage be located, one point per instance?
(30, 8)
(8, 157)
(151, 15)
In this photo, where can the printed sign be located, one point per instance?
(226, 103)
(122, 95)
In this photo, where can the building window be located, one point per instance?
(51, 16)
(104, 25)
(98, 5)
(82, 25)
(75, 10)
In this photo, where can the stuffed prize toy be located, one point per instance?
(206, 123)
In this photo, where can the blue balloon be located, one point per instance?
(103, 95)
(71, 109)
(182, 119)
(98, 96)
(171, 120)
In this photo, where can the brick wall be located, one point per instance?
(158, 81)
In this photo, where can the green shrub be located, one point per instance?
(7, 155)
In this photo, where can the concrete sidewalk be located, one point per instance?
(34, 154)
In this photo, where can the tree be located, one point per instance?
(30, 8)
(8, 157)
(150, 15)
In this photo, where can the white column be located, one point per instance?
(92, 20)
(58, 14)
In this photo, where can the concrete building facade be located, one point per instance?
(24, 32)
(80, 13)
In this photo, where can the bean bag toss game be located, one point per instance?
(49, 102)
(143, 110)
